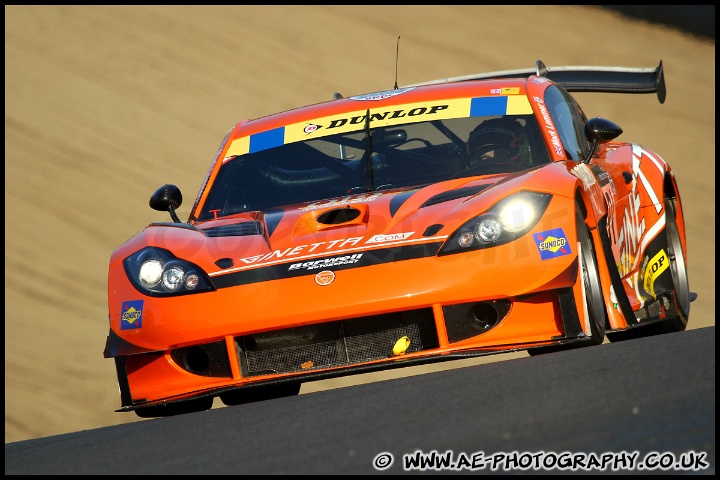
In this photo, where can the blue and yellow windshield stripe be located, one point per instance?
(382, 117)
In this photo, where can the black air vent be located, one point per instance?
(432, 230)
(338, 215)
(454, 195)
(236, 230)
(224, 262)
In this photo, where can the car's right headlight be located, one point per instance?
(157, 272)
(507, 220)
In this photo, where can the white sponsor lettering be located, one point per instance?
(326, 262)
(390, 237)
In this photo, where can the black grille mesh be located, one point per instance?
(333, 344)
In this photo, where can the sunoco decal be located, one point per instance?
(552, 243)
(382, 117)
(131, 316)
(657, 265)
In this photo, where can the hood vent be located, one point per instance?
(235, 230)
(337, 216)
(454, 195)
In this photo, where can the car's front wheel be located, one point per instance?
(593, 306)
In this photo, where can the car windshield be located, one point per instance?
(375, 159)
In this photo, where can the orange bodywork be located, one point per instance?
(354, 286)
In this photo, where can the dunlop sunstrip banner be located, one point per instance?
(382, 117)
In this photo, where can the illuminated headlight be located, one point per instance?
(518, 214)
(507, 220)
(157, 272)
(150, 273)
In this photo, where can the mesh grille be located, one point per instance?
(333, 344)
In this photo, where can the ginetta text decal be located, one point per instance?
(303, 249)
(550, 127)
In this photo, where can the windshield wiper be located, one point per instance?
(367, 157)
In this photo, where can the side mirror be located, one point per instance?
(600, 130)
(166, 199)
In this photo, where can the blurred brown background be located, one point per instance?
(104, 104)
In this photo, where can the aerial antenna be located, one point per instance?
(397, 52)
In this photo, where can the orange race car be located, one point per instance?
(460, 217)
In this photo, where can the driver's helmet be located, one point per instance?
(497, 140)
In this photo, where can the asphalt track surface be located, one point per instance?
(654, 397)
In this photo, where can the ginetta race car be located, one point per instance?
(450, 219)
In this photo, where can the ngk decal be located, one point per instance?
(389, 237)
(326, 262)
(632, 223)
(303, 250)
(350, 199)
(550, 127)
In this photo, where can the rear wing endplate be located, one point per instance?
(581, 79)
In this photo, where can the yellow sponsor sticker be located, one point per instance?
(657, 265)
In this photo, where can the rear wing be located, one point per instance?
(581, 79)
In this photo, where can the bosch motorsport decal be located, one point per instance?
(552, 243)
(131, 315)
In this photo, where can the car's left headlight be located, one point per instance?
(157, 272)
(507, 220)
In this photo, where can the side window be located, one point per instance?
(569, 120)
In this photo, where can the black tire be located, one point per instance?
(589, 275)
(177, 408)
(260, 393)
(680, 295)
(591, 283)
